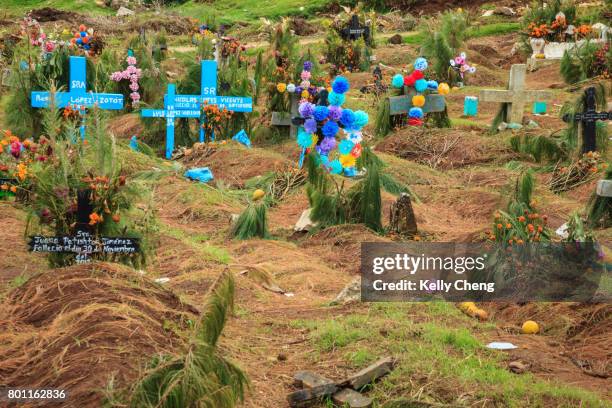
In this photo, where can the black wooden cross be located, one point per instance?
(83, 243)
(355, 30)
(588, 118)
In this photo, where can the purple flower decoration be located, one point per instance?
(310, 125)
(306, 109)
(298, 90)
(335, 113)
(307, 65)
(328, 144)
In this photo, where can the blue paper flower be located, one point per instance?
(345, 146)
(361, 119)
(340, 85)
(431, 84)
(304, 139)
(420, 64)
(335, 167)
(420, 85)
(415, 113)
(397, 81)
(307, 65)
(335, 99)
(347, 118)
(330, 128)
(320, 113)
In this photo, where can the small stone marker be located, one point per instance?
(400, 105)
(370, 374)
(344, 393)
(77, 94)
(588, 118)
(516, 96)
(604, 188)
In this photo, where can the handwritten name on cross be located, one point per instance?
(189, 106)
(83, 243)
(516, 96)
(77, 94)
(588, 118)
(355, 30)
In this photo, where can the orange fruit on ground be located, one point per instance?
(258, 194)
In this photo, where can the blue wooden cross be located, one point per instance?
(77, 94)
(189, 106)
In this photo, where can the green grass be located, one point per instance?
(249, 10)
(199, 244)
(473, 32)
(441, 358)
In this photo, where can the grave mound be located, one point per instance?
(443, 148)
(63, 325)
(234, 163)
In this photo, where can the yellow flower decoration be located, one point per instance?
(347, 160)
(282, 87)
(305, 94)
(314, 140)
(443, 89)
(418, 100)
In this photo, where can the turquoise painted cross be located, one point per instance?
(77, 94)
(189, 106)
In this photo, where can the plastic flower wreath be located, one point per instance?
(132, 74)
(416, 80)
(322, 126)
(305, 89)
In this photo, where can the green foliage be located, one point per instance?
(577, 231)
(201, 377)
(544, 12)
(253, 222)
(586, 61)
(599, 209)
(541, 147)
(365, 198)
(443, 37)
(346, 54)
(75, 168)
(382, 126)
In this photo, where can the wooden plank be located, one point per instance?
(400, 105)
(604, 188)
(352, 399)
(496, 95)
(281, 119)
(540, 96)
(309, 396)
(308, 379)
(370, 374)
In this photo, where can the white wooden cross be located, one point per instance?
(516, 95)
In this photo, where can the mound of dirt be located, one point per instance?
(442, 148)
(340, 245)
(126, 126)
(582, 329)
(233, 163)
(46, 14)
(76, 328)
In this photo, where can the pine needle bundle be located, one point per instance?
(366, 201)
(201, 377)
(523, 192)
(599, 210)
(253, 222)
(382, 125)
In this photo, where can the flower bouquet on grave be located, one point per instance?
(214, 120)
(415, 83)
(460, 67)
(323, 122)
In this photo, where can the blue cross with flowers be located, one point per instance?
(77, 95)
(189, 106)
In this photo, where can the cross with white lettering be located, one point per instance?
(189, 106)
(77, 95)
